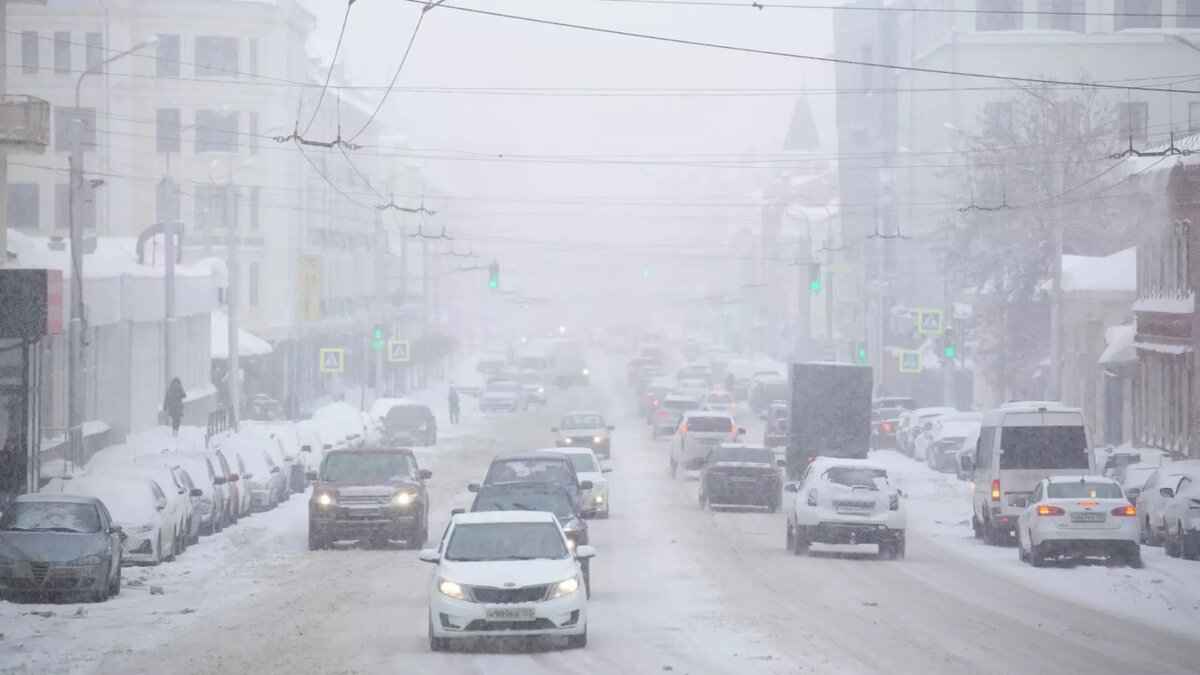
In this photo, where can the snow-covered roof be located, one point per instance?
(1120, 345)
(248, 345)
(113, 257)
(1162, 348)
(1110, 273)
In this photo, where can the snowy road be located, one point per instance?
(676, 589)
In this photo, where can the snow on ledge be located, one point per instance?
(1160, 348)
(1184, 305)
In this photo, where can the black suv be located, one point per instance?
(741, 475)
(536, 467)
(372, 495)
(408, 424)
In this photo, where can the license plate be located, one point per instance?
(363, 511)
(852, 511)
(709, 441)
(1087, 517)
(509, 614)
(742, 479)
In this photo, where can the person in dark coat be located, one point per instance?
(453, 399)
(173, 404)
(12, 471)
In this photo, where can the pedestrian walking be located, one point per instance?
(12, 472)
(173, 404)
(453, 400)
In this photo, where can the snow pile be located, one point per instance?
(1116, 273)
(1120, 345)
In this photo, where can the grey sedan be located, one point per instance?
(56, 544)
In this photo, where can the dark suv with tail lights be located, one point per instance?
(369, 495)
(741, 475)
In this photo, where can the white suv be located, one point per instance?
(700, 431)
(845, 501)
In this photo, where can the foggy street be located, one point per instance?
(698, 591)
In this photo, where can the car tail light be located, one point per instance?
(716, 473)
(1048, 510)
(894, 503)
(1130, 510)
(663, 413)
(996, 490)
(683, 428)
(654, 403)
(886, 427)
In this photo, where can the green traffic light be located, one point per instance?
(493, 284)
(645, 271)
(949, 352)
(815, 286)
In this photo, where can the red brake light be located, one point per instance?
(716, 472)
(663, 413)
(996, 490)
(654, 403)
(886, 427)
(1048, 510)
(683, 428)
(1125, 511)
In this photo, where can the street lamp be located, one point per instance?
(75, 332)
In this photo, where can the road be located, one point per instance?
(675, 589)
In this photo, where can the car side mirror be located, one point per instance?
(161, 504)
(791, 487)
(781, 463)
(196, 492)
(306, 448)
(274, 469)
(607, 469)
(310, 475)
(115, 529)
(554, 430)
(455, 512)
(233, 477)
(585, 485)
(584, 552)
(220, 480)
(425, 474)
(1166, 492)
(473, 487)
(899, 492)
(429, 555)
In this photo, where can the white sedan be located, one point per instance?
(1078, 516)
(509, 573)
(594, 501)
(137, 505)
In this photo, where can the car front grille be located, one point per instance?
(480, 625)
(363, 500)
(508, 596)
(40, 570)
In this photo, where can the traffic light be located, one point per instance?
(860, 354)
(645, 271)
(378, 341)
(948, 346)
(814, 277)
(494, 276)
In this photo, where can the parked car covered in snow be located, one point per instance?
(1152, 502)
(1181, 517)
(55, 544)
(136, 504)
(178, 511)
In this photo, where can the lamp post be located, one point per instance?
(75, 359)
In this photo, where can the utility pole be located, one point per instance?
(804, 310)
(1054, 381)
(168, 229)
(427, 302)
(949, 364)
(231, 296)
(75, 360)
(3, 153)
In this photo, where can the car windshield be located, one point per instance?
(750, 455)
(51, 517)
(709, 424)
(680, 404)
(367, 467)
(720, 397)
(477, 542)
(584, 463)
(582, 422)
(406, 414)
(508, 387)
(857, 477)
(554, 500)
(548, 470)
(1083, 490)
(1056, 447)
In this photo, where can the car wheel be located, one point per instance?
(977, 527)
(577, 641)
(316, 542)
(1133, 557)
(703, 499)
(1021, 555)
(99, 595)
(799, 542)
(1188, 546)
(114, 588)
(1036, 557)
(174, 547)
(437, 644)
(1172, 544)
(788, 538)
(674, 467)
(1146, 535)
(900, 547)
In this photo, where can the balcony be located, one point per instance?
(24, 124)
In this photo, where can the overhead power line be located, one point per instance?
(806, 57)
(329, 74)
(892, 9)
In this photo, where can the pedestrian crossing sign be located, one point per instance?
(398, 351)
(910, 361)
(333, 360)
(929, 322)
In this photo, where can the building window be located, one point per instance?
(169, 130)
(252, 285)
(254, 196)
(253, 132)
(62, 52)
(215, 205)
(216, 56)
(1188, 14)
(167, 56)
(1137, 14)
(24, 205)
(29, 51)
(64, 122)
(93, 51)
(253, 57)
(62, 207)
(168, 208)
(1062, 15)
(999, 15)
(216, 131)
(1133, 121)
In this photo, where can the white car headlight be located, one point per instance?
(86, 561)
(324, 499)
(403, 498)
(587, 371)
(597, 439)
(568, 440)
(451, 589)
(566, 587)
(598, 499)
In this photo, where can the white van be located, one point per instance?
(1021, 443)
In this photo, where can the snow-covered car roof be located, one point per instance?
(484, 517)
(1083, 478)
(823, 463)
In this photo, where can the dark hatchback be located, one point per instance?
(374, 495)
(741, 475)
(536, 467)
(535, 496)
(409, 424)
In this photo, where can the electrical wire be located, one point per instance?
(329, 73)
(893, 9)
(426, 6)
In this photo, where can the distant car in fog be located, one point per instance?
(719, 401)
(503, 395)
(700, 431)
(408, 424)
(584, 429)
(669, 413)
(740, 475)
